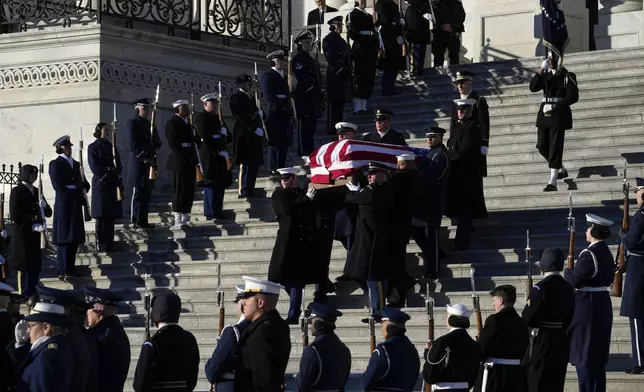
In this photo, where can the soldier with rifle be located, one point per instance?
(476, 303)
(339, 73)
(590, 330)
(429, 308)
(26, 212)
(618, 281)
(632, 308)
(69, 228)
(144, 141)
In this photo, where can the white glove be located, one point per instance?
(223, 131)
(547, 108)
(483, 150)
(402, 21)
(259, 132)
(311, 193)
(3, 233)
(260, 112)
(544, 65)
(21, 334)
(428, 16)
(42, 204)
(224, 154)
(352, 187)
(38, 227)
(2, 260)
(400, 40)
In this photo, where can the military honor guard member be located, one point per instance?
(591, 326)
(443, 30)
(417, 33)
(391, 29)
(25, 211)
(214, 156)
(634, 280)
(465, 198)
(169, 360)
(68, 230)
(560, 91)
(112, 343)
(326, 362)
(458, 28)
(248, 136)
(308, 92)
(364, 54)
(275, 88)
(143, 145)
(182, 162)
(480, 112)
(220, 368)
(548, 313)
(504, 340)
(453, 361)
(339, 74)
(106, 180)
(264, 348)
(384, 132)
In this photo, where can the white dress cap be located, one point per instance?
(343, 124)
(465, 102)
(406, 157)
(210, 97)
(598, 220)
(289, 170)
(179, 103)
(459, 310)
(260, 286)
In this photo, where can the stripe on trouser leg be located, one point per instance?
(637, 343)
(20, 282)
(132, 205)
(239, 179)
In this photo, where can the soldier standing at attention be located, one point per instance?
(143, 146)
(384, 132)
(417, 17)
(308, 92)
(548, 313)
(326, 362)
(391, 31)
(364, 54)
(338, 73)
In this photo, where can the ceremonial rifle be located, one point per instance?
(229, 162)
(616, 288)
(41, 198)
(477, 306)
(199, 168)
(318, 73)
(304, 323)
(528, 260)
(290, 80)
(119, 186)
(372, 326)
(86, 213)
(402, 33)
(258, 103)
(220, 300)
(571, 229)
(146, 305)
(429, 306)
(153, 117)
(3, 267)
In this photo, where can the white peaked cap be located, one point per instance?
(343, 124)
(465, 102)
(598, 220)
(406, 157)
(255, 285)
(289, 170)
(210, 97)
(179, 103)
(459, 310)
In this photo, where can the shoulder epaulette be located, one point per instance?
(52, 346)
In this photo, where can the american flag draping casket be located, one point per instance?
(344, 157)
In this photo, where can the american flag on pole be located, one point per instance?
(555, 31)
(344, 157)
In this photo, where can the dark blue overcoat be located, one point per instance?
(325, 365)
(220, 367)
(48, 367)
(138, 130)
(278, 112)
(633, 243)
(114, 357)
(393, 366)
(105, 180)
(69, 224)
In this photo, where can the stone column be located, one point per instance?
(617, 6)
(620, 25)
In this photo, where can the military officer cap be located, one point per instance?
(406, 157)
(505, 291)
(94, 295)
(6, 290)
(459, 310)
(384, 114)
(434, 131)
(289, 171)
(376, 167)
(596, 220)
(180, 102)
(323, 311)
(45, 312)
(63, 141)
(26, 171)
(394, 315)
(343, 126)
(465, 102)
(210, 97)
(254, 286)
(335, 20)
(166, 307)
(464, 75)
(242, 78)
(278, 54)
(66, 298)
(552, 259)
(639, 184)
(240, 289)
(142, 102)
(304, 35)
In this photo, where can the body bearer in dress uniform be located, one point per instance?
(339, 74)
(394, 365)
(504, 340)
(264, 348)
(169, 360)
(384, 132)
(69, 226)
(560, 91)
(632, 307)
(590, 330)
(548, 312)
(308, 92)
(364, 54)
(452, 363)
(326, 362)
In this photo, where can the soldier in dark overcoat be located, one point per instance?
(465, 198)
(326, 362)
(107, 169)
(112, 343)
(548, 313)
(308, 92)
(394, 365)
(634, 280)
(391, 33)
(504, 340)
(143, 146)
(444, 14)
(183, 144)
(214, 157)
(384, 132)
(590, 330)
(417, 33)
(364, 54)
(68, 230)
(248, 136)
(26, 214)
(275, 88)
(339, 73)
(169, 360)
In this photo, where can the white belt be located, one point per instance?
(71, 187)
(593, 289)
(502, 361)
(551, 100)
(450, 385)
(186, 145)
(281, 96)
(365, 32)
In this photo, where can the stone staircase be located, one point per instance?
(608, 121)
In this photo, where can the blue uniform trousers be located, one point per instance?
(591, 379)
(140, 204)
(376, 292)
(247, 179)
(417, 58)
(389, 75)
(104, 232)
(213, 201)
(295, 298)
(277, 157)
(637, 340)
(65, 258)
(28, 282)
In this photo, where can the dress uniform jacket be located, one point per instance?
(453, 358)
(141, 146)
(465, 198)
(633, 243)
(338, 73)
(262, 355)
(278, 112)
(25, 211)
(81, 358)
(183, 158)
(325, 365)
(364, 52)
(504, 336)
(560, 90)
(481, 114)
(393, 366)
(214, 166)
(247, 145)
(296, 238)
(69, 223)
(114, 357)
(388, 19)
(549, 310)
(48, 367)
(371, 253)
(416, 26)
(390, 137)
(169, 361)
(308, 92)
(590, 330)
(432, 186)
(220, 368)
(105, 180)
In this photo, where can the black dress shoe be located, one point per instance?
(376, 318)
(550, 188)
(292, 320)
(635, 370)
(562, 174)
(343, 278)
(241, 196)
